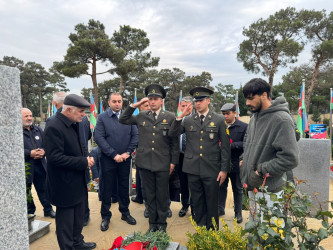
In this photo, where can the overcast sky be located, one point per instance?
(193, 35)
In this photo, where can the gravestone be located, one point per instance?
(13, 203)
(314, 167)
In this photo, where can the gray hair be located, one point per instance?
(59, 97)
(26, 109)
(187, 99)
(65, 107)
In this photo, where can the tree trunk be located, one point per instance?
(313, 82)
(94, 80)
(40, 103)
(121, 86)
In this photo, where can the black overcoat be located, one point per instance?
(66, 163)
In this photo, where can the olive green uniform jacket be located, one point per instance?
(203, 155)
(156, 149)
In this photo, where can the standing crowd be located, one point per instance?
(203, 148)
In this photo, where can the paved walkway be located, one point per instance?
(177, 227)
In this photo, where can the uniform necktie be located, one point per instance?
(202, 117)
(154, 114)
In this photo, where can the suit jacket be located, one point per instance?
(37, 134)
(156, 150)
(114, 138)
(66, 163)
(203, 155)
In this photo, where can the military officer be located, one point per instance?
(205, 161)
(157, 153)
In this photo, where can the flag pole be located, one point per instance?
(331, 108)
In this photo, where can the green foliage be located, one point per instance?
(223, 94)
(37, 84)
(284, 224)
(159, 239)
(316, 116)
(216, 239)
(272, 42)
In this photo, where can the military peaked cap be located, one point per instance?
(155, 90)
(200, 93)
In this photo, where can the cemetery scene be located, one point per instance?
(165, 125)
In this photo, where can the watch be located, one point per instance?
(129, 153)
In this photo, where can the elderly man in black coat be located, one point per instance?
(66, 166)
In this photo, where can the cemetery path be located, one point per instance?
(177, 227)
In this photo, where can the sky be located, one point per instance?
(193, 35)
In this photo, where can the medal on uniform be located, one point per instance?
(191, 128)
(164, 122)
(212, 125)
(164, 132)
(37, 137)
(211, 136)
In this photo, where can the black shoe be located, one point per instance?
(137, 200)
(239, 218)
(183, 211)
(86, 246)
(162, 229)
(86, 222)
(51, 214)
(114, 200)
(129, 219)
(105, 225)
(146, 213)
(221, 212)
(169, 213)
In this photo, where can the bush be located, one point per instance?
(214, 239)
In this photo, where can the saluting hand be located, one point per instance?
(187, 111)
(142, 101)
(221, 177)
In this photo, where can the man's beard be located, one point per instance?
(256, 110)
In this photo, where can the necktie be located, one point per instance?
(202, 117)
(183, 142)
(154, 114)
(117, 115)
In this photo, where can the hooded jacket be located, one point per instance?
(270, 147)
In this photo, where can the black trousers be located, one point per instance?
(115, 173)
(156, 187)
(237, 190)
(69, 224)
(138, 184)
(184, 189)
(204, 198)
(39, 183)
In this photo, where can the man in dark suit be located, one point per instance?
(85, 135)
(237, 131)
(117, 142)
(34, 154)
(66, 166)
(157, 153)
(205, 162)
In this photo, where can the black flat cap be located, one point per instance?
(200, 93)
(155, 90)
(228, 107)
(76, 101)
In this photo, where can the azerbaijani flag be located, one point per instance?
(302, 119)
(179, 103)
(163, 105)
(48, 113)
(136, 112)
(332, 100)
(101, 109)
(93, 113)
(54, 109)
(237, 105)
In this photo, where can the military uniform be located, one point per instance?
(155, 152)
(203, 160)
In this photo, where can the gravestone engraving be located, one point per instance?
(13, 204)
(314, 167)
